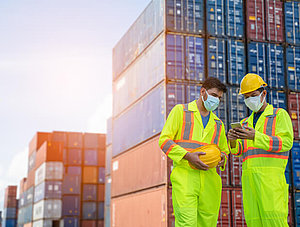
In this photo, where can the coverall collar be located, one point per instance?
(193, 107)
(267, 112)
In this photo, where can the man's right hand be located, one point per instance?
(194, 159)
(232, 137)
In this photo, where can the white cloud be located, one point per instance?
(97, 122)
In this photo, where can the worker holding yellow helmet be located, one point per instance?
(263, 141)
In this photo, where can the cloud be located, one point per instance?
(97, 122)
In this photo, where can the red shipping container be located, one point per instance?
(225, 176)
(101, 223)
(274, 20)
(75, 139)
(171, 216)
(291, 213)
(142, 167)
(101, 192)
(101, 157)
(225, 209)
(38, 140)
(11, 191)
(10, 202)
(255, 13)
(238, 217)
(94, 140)
(59, 136)
(49, 152)
(236, 170)
(294, 111)
(90, 175)
(88, 223)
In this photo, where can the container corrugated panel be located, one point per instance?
(144, 30)
(71, 206)
(276, 75)
(194, 59)
(89, 192)
(217, 59)
(49, 171)
(9, 213)
(71, 184)
(257, 58)
(28, 212)
(90, 175)
(21, 200)
(43, 223)
(221, 111)
(296, 164)
(75, 139)
(236, 59)
(297, 208)
(86, 223)
(108, 160)
(49, 152)
(132, 127)
(73, 170)
(38, 139)
(89, 210)
(225, 209)
(293, 67)
(58, 136)
(144, 73)
(47, 209)
(94, 140)
(100, 223)
(238, 217)
(176, 95)
(236, 105)
(277, 99)
(29, 196)
(287, 173)
(274, 20)
(234, 17)
(10, 201)
(127, 180)
(294, 111)
(101, 211)
(48, 190)
(292, 25)
(9, 223)
(192, 92)
(185, 16)
(73, 156)
(101, 175)
(255, 14)
(225, 175)
(215, 17)
(90, 157)
(101, 192)
(107, 216)
(69, 222)
(109, 131)
(236, 170)
(31, 161)
(107, 190)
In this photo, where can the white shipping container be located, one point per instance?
(47, 209)
(42, 223)
(49, 171)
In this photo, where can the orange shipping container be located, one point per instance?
(101, 192)
(49, 152)
(143, 209)
(30, 179)
(90, 175)
(89, 223)
(38, 140)
(93, 140)
(22, 185)
(101, 158)
(142, 167)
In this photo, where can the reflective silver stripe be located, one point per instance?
(276, 143)
(188, 123)
(168, 145)
(257, 151)
(270, 121)
(217, 137)
(189, 145)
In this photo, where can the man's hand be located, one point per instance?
(194, 159)
(245, 133)
(222, 162)
(231, 135)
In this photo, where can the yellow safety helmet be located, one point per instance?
(251, 82)
(212, 156)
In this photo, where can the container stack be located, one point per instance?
(10, 210)
(162, 61)
(65, 182)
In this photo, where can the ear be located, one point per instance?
(264, 95)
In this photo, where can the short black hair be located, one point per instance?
(212, 82)
(261, 89)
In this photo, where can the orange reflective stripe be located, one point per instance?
(215, 133)
(270, 144)
(164, 143)
(275, 144)
(239, 149)
(183, 123)
(265, 156)
(224, 154)
(265, 126)
(171, 147)
(192, 126)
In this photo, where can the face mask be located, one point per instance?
(211, 102)
(254, 103)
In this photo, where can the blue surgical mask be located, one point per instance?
(211, 103)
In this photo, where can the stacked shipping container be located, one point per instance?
(10, 210)
(175, 45)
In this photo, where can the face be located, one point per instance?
(256, 93)
(213, 92)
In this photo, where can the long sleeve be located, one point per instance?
(238, 150)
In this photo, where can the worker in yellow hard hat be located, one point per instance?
(263, 142)
(196, 193)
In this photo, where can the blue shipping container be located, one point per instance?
(89, 192)
(257, 59)
(70, 222)
(74, 156)
(107, 216)
(192, 92)
(71, 184)
(28, 196)
(277, 99)
(176, 94)
(73, 170)
(108, 158)
(234, 18)
(292, 25)
(215, 17)
(101, 210)
(236, 59)
(89, 210)
(71, 206)
(194, 59)
(9, 223)
(293, 67)
(90, 157)
(107, 191)
(109, 131)
(237, 107)
(101, 176)
(287, 173)
(9, 213)
(276, 75)
(296, 164)
(28, 212)
(48, 190)
(221, 111)
(217, 59)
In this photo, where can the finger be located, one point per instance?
(239, 130)
(203, 164)
(246, 127)
(200, 153)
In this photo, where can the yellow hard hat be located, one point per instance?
(251, 82)
(212, 156)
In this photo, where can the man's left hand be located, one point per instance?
(222, 162)
(245, 133)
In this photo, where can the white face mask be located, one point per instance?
(254, 103)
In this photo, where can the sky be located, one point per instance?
(55, 71)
